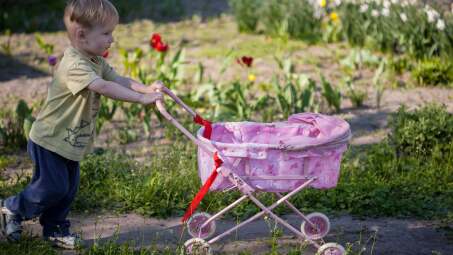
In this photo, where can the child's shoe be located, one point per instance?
(10, 223)
(68, 241)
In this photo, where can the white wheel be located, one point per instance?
(196, 221)
(319, 230)
(331, 249)
(197, 246)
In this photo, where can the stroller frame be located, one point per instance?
(198, 244)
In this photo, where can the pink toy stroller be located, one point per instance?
(282, 157)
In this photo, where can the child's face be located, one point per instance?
(97, 39)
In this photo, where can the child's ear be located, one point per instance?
(80, 34)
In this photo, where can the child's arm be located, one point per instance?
(137, 86)
(116, 91)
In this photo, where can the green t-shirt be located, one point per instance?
(66, 124)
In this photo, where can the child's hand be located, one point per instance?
(151, 98)
(157, 85)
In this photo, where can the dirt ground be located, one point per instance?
(371, 236)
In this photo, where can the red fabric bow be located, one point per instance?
(207, 126)
(202, 192)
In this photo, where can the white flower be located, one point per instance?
(363, 8)
(440, 24)
(403, 17)
(395, 1)
(336, 3)
(386, 4)
(375, 13)
(385, 12)
(432, 15)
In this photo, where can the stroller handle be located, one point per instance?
(161, 107)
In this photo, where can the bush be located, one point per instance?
(433, 72)
(47, 15)
(245, 13)
(290, 18)
(417, 133)
(378, 183)
(31, 15)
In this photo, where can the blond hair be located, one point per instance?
(89, 13)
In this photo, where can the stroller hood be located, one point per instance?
(301, 131)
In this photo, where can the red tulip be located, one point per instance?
(157, 44)
(245, 60)
(155, 38)
(161, 47)
(105, 54)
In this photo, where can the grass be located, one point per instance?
(374, 181)
(28, 245)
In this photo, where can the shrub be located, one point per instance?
(433, 72)
(245, 13)
(291, 18)
(418, 132)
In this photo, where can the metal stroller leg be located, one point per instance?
(292, 207)
(265, 210)
(215, 216)
(281, 221)
(319, 224)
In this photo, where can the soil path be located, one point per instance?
(372, 236)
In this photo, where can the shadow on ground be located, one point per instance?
(14, 69)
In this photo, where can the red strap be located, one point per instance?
(202, 192)
(207, 126)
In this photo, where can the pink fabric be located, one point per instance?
(307, 145)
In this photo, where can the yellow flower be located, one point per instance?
(252, 77)
(334, 16)
(322, 3)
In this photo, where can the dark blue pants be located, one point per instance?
(51, 191)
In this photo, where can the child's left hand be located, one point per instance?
(157, 85)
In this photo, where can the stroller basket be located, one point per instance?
(278, 157)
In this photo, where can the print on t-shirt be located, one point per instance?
(74, 135)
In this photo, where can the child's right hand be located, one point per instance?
(151, 98)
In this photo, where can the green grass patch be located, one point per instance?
(28, 246)
(113, 248)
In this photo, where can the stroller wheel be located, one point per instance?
(196, 221)
(319, 230)
(197, 246)
(331, 249)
